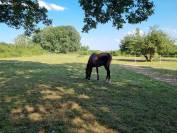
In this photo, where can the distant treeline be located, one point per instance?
(66, 39)
(18, 50)
(113, 52)
(61, 39)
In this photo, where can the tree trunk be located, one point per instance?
(148, 59)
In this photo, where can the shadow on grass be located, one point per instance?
(163, 71)
(131, 60)
(36, 97)
(172, 60)
(143, 60)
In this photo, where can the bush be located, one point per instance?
(84, 52)
(62, 39)
(84, 48)
(89, 52)
(23, 41)
(10, 50)
(115, 53)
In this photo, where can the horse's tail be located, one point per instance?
(109, 59)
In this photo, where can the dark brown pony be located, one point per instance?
(97, 60)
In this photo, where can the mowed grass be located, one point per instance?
(48, 94)
(167, 66)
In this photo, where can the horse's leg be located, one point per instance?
(109, 76)
(90, 74)
(97, 73)
(108, 72)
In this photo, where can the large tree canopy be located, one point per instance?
(61, 39)
(155, 41)
(23, 13)
(117, 11)
(28, 13)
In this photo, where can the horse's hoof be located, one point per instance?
(108, 81)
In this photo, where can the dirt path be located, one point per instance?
(172, 80)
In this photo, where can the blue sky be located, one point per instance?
(105, 37)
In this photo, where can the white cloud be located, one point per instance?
(86, 40)
(172, 32)
(50, 6)
(134, 31)
(117, 40)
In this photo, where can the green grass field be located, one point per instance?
(48, 94)
(167, 66)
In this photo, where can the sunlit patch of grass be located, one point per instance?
(53, 59)
(29, 108)
(82, 96)
(168, 66)
(35, 117)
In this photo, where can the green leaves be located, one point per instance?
(61, 39)
(117, 11)
(28, 13)
(156, 41)
(131, 43)
(23, 41)
(160, 40)
(23, 13)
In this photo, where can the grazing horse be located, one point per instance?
(97, 60)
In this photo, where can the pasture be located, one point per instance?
(48, 94)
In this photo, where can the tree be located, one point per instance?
(28, 13)
(131, 43)
(61, 39)
(159, 41)
(84, 48)
(23, 13)
(173, 51)
(23, 41)
(156, 41)
(117, 11)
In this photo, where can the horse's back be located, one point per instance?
(105, 56)
(100, 59)
(101, 55)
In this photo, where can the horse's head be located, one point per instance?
(88, 72)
